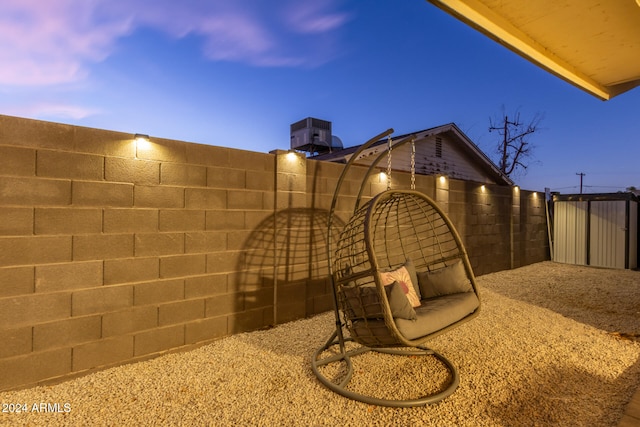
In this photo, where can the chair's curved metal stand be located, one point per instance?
(345, 356)
(337, 338)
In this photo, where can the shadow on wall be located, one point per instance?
(285, 260)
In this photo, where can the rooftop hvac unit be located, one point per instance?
(314, 136)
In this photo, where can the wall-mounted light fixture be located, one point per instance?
(516, 189)
(382, 176)
(442, 179)
(483, 188)
(291, 156)
(142, 140)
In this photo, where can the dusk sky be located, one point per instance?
(238, 73)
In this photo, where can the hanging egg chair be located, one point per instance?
(401, 276)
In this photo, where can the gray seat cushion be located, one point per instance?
(437, 313)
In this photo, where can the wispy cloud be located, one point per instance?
(52, 110)
(50, 42)
(255, 32)
(57, 41)
(314, 17)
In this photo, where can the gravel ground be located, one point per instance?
(554, 345)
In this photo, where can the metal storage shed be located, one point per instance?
(599, 230)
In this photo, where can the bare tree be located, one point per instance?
(514, 149)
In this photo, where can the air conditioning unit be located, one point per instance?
(313, 136)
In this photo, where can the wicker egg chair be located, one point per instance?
(401, 276)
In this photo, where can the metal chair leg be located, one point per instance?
(345, 356)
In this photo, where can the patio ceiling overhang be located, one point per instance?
(592, 44)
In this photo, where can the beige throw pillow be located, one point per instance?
(403, 278)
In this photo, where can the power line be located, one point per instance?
(564, 188)
(586, 187)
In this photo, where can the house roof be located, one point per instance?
(592, 44)
(456, 135)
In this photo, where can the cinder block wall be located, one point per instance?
(113, 251)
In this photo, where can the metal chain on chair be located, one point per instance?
(413, 164)
(389, 162)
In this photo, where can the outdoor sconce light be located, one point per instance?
(291, 156)
(382, 176)
(483, 188)
(443, 179)
(142, 140)
(516, 189)
(139, 137)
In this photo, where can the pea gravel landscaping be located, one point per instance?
(554, 345)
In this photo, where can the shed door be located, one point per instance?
(570, 232)
(607, 234)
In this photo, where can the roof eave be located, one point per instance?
(483, 19)
(499, 175)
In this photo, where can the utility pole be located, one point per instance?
(582, 174)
